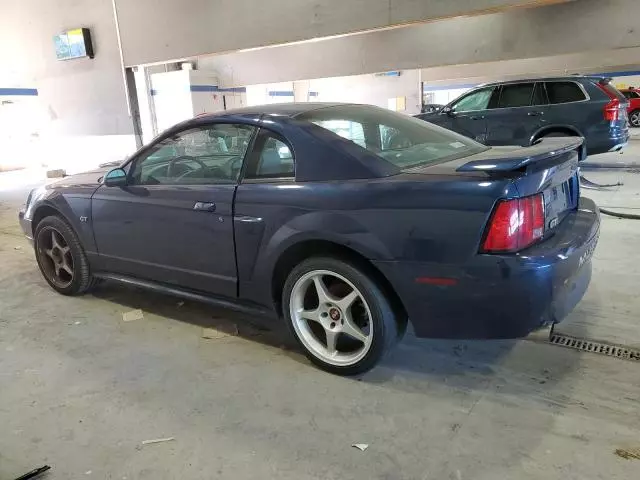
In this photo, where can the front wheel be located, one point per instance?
(339, 315)
(61, 258)
(634, 118)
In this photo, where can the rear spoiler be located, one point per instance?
(598, 78)
(542, 149)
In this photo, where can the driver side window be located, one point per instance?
(211, 154)
(478, 100)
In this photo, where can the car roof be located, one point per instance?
(323, 158)
(570, 78)
(280, 109)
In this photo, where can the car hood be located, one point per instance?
(90, 178)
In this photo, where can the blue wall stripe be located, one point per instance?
(234, 90)
(204, 88)
(208, 88)
(215, 88)
(281, 93)
(616, 74)
(19, 91)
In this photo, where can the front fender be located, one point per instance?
(74, 208)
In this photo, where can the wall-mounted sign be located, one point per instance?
(73, 44)
(395, 73)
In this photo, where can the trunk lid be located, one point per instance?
(549, 167)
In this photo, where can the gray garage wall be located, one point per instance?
(81, 96)
(86, 97)
(159, 30)
(600, 61)
(80, 114)
(581, 26)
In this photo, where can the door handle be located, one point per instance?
(535, 114)
(204, 206)
(247, 219)
(478, 117)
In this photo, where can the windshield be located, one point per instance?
(404, 141)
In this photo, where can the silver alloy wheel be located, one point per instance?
(55, 257)
(635, 118)
(325, 304)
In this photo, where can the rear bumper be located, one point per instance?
(606, 138)
(618, 146)
(502, 296)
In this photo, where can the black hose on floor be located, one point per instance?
(586, 183)
(589, 165)
(628, 216)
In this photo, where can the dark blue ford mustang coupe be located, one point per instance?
(347, 221)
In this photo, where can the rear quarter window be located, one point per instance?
(398, 139)
(564, 92)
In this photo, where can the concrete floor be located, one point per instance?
(80, 389)
(610, 309)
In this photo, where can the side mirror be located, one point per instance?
(448, 110)
(115, 178)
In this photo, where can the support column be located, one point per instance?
(301, 91)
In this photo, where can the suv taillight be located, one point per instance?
(515, 224)
(611, 109)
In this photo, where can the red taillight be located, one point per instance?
(515, 224)
(611, 109)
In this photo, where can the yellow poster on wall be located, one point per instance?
(397, 104)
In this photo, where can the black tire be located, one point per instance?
(385, 325)
(634, 119)
(81, 279)
(558, 134)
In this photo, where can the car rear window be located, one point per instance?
(401, 140)
(564, 92)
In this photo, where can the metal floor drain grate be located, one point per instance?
(616, 351)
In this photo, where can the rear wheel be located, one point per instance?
(634, 118)
(61, 258)
(557, 134)
(341, 318)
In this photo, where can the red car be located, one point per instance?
(634, 105)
